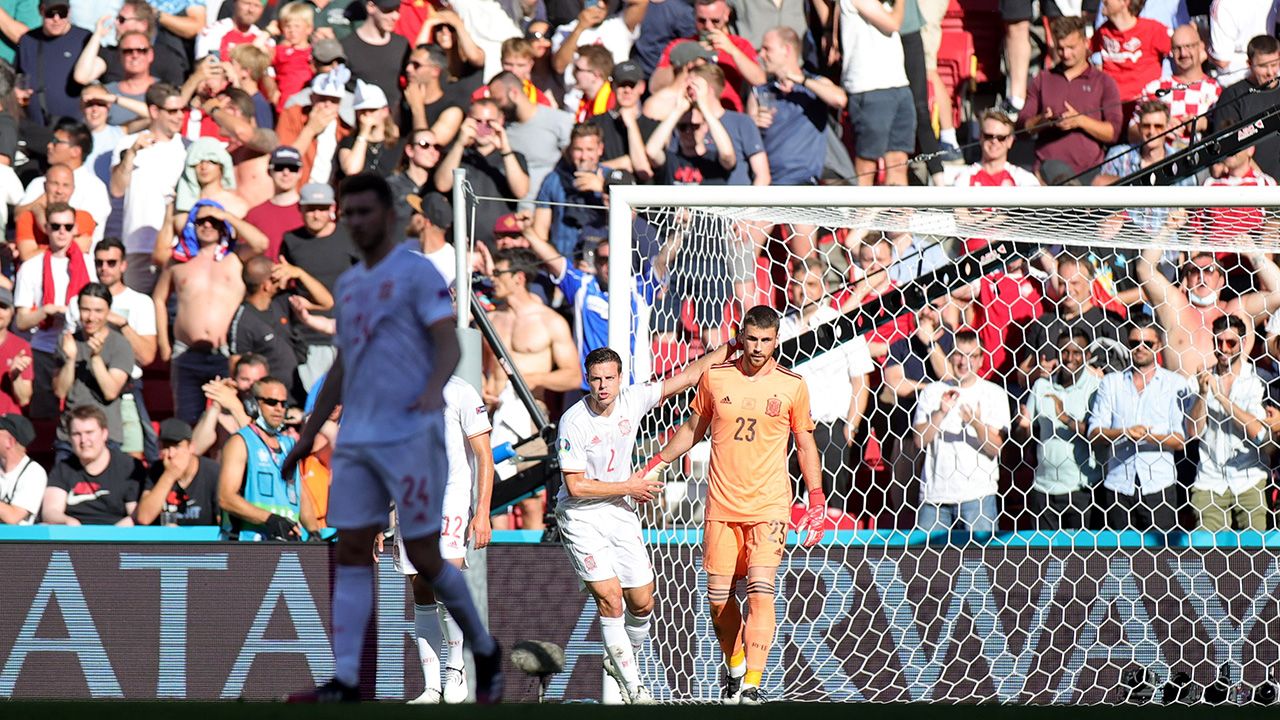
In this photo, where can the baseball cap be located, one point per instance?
(683, 53)
(285, 155)
(327, 50)
(315, 194)
(6, 297)
(628, 72)
(387, 5)
(507, 225)
(174, 431)
(19, 427)
(435, 208)
(369, 97)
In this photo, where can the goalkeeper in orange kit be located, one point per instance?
(751, 406)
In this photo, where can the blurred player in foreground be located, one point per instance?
(396, 341)
(596, 507)
(466, 422)
(750, 406)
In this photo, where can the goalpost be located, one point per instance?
(879, 612)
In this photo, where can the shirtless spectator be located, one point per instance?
(542, 347)
(280, 213)
(250, 145)
(685, 56)
(32, 232)
(1185, 312)
(209, 175)
(209, 290)
(225, 414)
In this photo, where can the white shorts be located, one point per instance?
(605, 541)
(455, 519)
(368, 478)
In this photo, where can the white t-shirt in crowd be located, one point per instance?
(829, 374)
(613, 34)
(139, 311)
(601, 445)
(28, 291)
(155, 174)
(90, 195)
(446, 261)
(24, 488)
(955, 471)
(873, 60)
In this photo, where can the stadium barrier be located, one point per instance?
(1016, 618)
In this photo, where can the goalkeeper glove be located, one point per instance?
(815, 518)
(654, 468)
(278, 527)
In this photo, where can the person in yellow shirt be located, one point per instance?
(751, 407)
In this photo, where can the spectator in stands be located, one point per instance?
(1000, 307)
(429, 104)
(1153, 146)
(1132, 48)
(432, 218)
(663, 23)
(268, 506)
(44, 289)
(1256, 94)
(1188, 91)
(753, 165)
(376, 145)
(839, 381)
(281, 213)
(1229, 419)
(224, 35)
(181, 489)
(791, 111)
(167, 59)
(625, 128)
(94, 362)
(421, 155)
(226, 414)
(1074, 109)
(15, 358)
(701, 152)
(95, 106)
(323, 249)
(291, 58)
(71, 145)
(595, 27)
(493, 167)
(134, 316)
(994, 169)
(869, 280)
(880, 102)
(47, 55)
(686, 56)
(375, 53)
(733, 53)
(247, 72)
(135, 55)
(209, 289)
(1232, 27)
(961, 423)
(1054, 415)
(913, 362)
(474, 46)
(544, 74)
(22, 480)
(249, 140)
(519, 58)
(317, 127)
(578, 180)
(1075, 279)
(262, 324)
(592, 68)
(31, 234)
(145, 166)
(1139, 416)
(97, 484)
(537, 132)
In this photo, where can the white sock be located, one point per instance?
(618, 645)
(453, 636)
(352, 606)
(451, 589)
(429, 635)
(948, 135)
(637, 630)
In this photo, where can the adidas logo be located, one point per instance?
(726, 400)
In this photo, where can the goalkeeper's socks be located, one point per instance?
(453, 636)
(352, 606)
(429, 636)
(637, 630)
(752, 678)
(451, 588)
(738, 664)
(618, 645)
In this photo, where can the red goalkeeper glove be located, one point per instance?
(654, 468)
(815, 518)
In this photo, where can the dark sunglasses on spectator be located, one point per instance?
(57, 11)
(997, 138)
(427, 145)
(62, 226)
(1227, 342)
(270, 402)
(1135, 343)
(210, 221)
(285, 168)
(103, 262)
(537, 35)
(135, 51)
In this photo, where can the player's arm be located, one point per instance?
(328, 399)
(641, 487)
(690, 376)
(479, 531)
(688, 435)
(811, 470)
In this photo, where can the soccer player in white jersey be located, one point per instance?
(596, 507)
(466, 438)
(396, 351)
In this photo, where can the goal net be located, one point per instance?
(1141, 560)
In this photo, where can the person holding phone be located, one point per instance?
(493, 168)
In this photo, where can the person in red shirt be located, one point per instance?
(281, 213)
(999, 306)
(1132, 48)
(734, 54)
(995, 170)
(869, 280)
(16, 370)
(291, 60)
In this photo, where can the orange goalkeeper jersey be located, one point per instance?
(752, 419)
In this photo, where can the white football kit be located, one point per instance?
(603, 536)
(386, 450)
(465, 417)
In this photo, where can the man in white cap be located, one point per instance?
(316, 129)
(372, 148)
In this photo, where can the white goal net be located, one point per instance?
(1131, 529)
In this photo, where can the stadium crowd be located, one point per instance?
(168, 174)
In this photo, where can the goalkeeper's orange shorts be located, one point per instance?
(729, 548)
